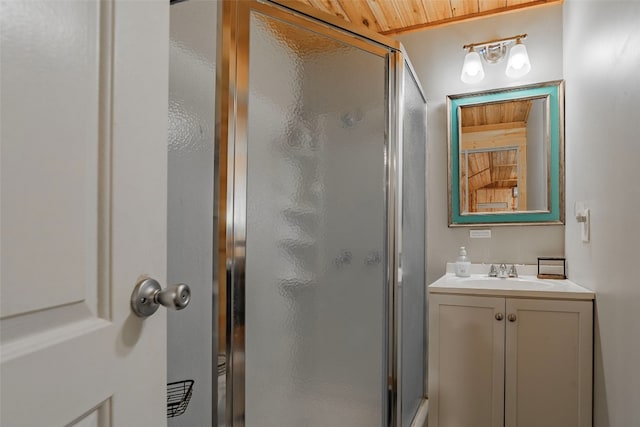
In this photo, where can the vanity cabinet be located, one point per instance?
(502, 361)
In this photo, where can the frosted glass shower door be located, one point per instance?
(412, 291)
(315, 276)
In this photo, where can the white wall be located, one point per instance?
(437, 56)
(190, 200)
(602, 57)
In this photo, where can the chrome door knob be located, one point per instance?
(148, 295)
(511, 317)
(499, 316)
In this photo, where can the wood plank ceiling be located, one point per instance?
(398, 16)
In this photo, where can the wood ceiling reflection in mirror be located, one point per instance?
(491, 175)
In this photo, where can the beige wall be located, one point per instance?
(437, 56)
(602, 57)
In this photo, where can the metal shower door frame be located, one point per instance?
(232, 161)
(403, 65)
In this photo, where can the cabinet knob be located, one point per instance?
(499, 316)
(511, 317)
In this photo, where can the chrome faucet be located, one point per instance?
(493, 271)
(502, 271)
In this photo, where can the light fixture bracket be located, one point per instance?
(494, 51)
(505, 40)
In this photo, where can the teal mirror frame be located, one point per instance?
(554, 93)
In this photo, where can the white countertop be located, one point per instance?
(526, 285)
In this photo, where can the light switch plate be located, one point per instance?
(583, 216)
(585, 226)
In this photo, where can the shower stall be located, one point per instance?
(321, 196)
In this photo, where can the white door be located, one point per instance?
(83, 211)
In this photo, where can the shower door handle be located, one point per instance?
(148, 295)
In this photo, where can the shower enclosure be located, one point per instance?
(321, 193)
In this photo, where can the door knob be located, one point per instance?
(148, 295)
(499, 316)
(511, 317)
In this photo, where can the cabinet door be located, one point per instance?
(548, 363)
(466, 361)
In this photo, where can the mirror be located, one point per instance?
(506, 156)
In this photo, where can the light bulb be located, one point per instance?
(518, 64)
(472, 70)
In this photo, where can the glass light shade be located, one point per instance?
(518, 64)
(472, 71)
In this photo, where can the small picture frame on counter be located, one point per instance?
(552, 268)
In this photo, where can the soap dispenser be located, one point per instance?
(463, 264)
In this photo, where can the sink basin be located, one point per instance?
(512, 283)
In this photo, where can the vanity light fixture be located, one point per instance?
(518, 64)
(472, 71)
(494, 51)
